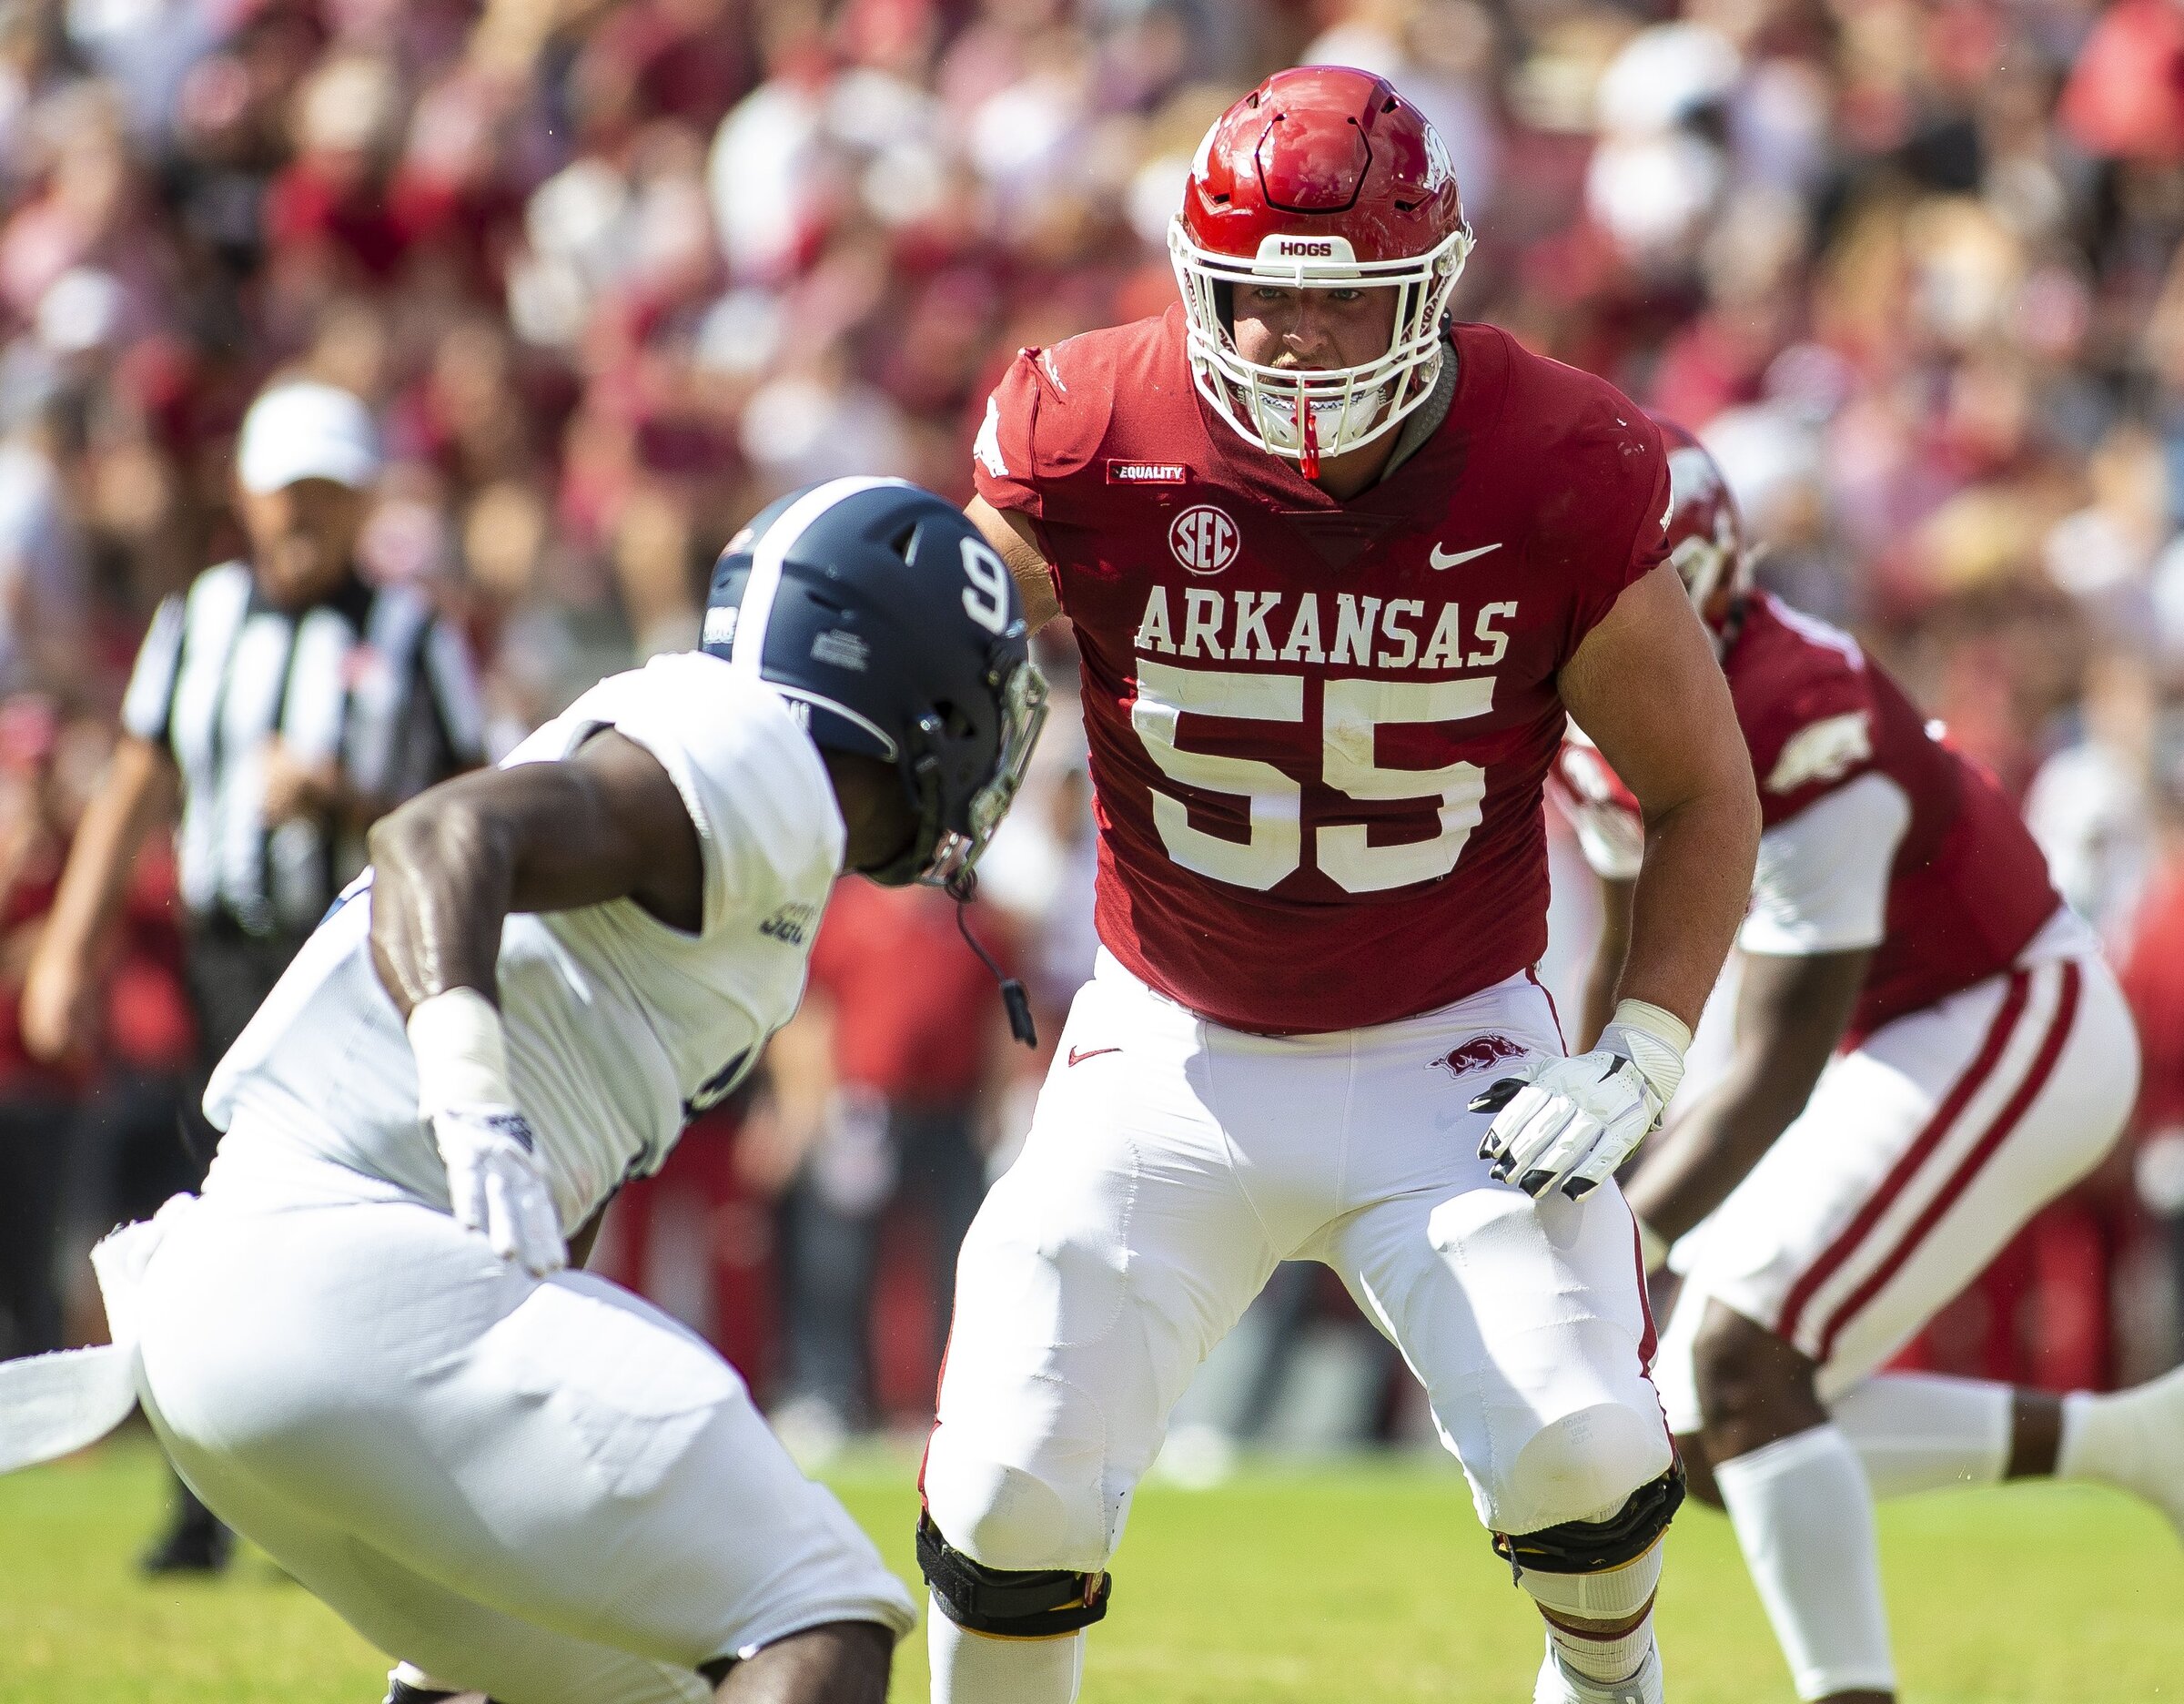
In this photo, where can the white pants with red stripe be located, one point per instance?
(1918, 1157)
(1173, 1162)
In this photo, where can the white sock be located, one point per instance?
(1614, 1595)
(972, 1668)
(2101, 1439)
(1915, 1432)
(2131, 1439)
(1803, 1515)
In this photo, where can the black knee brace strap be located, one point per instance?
(1595, 1546)
(1041, 1604)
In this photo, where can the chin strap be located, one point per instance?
(962, 889)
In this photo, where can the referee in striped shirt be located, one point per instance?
(278, 706)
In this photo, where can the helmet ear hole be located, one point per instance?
(953, 721)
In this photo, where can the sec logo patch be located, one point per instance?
(1204, 539)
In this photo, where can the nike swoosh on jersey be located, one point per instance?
(1439, 558)
(1078, 1056)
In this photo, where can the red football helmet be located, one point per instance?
(1705, 533)
(1320, 178)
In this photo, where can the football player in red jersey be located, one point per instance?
(1927, 1049)
(1336, 567)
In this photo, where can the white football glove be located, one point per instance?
(1573, 1121)
(495, 1186)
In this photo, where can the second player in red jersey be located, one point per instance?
(1967, 888)
(1338, 567)
(1927, 1049)
(1318, 729)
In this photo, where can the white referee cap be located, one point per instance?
(305, 429)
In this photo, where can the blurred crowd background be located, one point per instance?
(611, 275)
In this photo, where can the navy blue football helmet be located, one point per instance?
(882, 613)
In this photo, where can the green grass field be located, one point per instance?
(1362, 1580)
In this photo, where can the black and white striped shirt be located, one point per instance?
(371, 678)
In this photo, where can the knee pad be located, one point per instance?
(1581, 1467)
(1597, 1547)
(1014, 1517)
(1040, 1603)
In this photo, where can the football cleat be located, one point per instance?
(198, 1542)
(1557, 1685)
(408, 1684)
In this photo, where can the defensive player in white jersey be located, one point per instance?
(359, 1345)
(1929, 1049)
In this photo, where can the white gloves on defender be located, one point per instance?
(494, 1186)
(494, 1182)
(1573, 1121)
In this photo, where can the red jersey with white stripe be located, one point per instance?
(1318, 729)
(1967, 890)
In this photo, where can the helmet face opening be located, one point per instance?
(954, 851)
(1289, 411)
(1321, 179)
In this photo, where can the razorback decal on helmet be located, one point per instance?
(1320, 171)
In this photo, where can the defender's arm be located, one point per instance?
(1790, 1014)
(453, 862)
(450, 866)
(1645, 685)
(1009, 532)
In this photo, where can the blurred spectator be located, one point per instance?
(2153, 979)
(35, 1097)
(44, 584)
(2090, 805)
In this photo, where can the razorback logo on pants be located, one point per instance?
(1479, 1052)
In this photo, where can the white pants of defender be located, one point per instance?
(546, 1490)
(1175, 1163)
(1917, 1159)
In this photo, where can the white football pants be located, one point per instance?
(1172, 1164)
(548, 1490)
(1918, 1157)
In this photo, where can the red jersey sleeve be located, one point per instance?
(1044, 423)
(1815, 734)
(1612, 526)
(1005, 459)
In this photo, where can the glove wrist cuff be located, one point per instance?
(1653, 1039)
(461, 1050)
(1657, 1021)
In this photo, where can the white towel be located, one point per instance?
(52, 1404)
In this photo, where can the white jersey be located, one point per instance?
(620, 1028)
